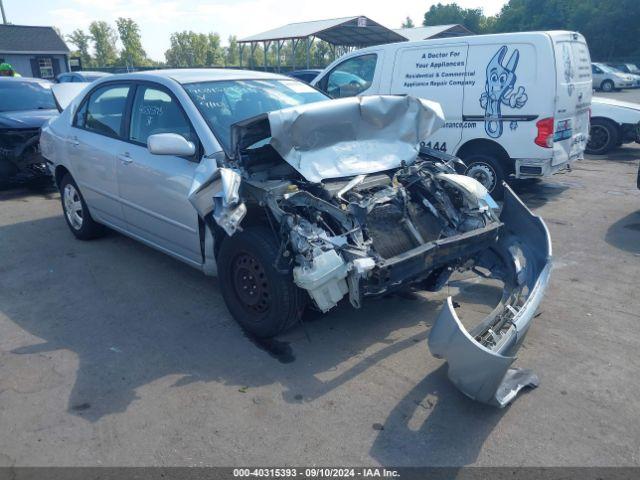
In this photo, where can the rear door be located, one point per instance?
(94, 138)
(154, 188)
(438, 73)
(573, 97)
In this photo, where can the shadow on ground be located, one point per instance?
(625, 233)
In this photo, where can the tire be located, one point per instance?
(76, 213)
(246, 268)
(488, 171)
(607, 86)
(604, 136)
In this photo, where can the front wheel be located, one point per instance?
(607, 86)
(604, 136)
(263, 300)
(488, 171)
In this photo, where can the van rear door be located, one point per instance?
(573, 96)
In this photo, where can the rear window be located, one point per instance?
(16, 96)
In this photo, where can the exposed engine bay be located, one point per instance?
(369, 233)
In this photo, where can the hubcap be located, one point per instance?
(250, 283)
(607, 86)
(72, 206)
(598, 138)
(484, 174)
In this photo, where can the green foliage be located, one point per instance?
(81, 41)
(132, 53)
(104, 43)
(408, 23)
(440, 14)
(190, 49)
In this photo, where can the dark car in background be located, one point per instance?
(80, 77)
(25, 105)
(306, 76)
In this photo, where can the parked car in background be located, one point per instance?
(306, 76)
(608, 79)
(25, 105)
(293, 199)
(516, 105)
(612, 124)
(628, 69)
(80, 76)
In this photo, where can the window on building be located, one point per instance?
(46, 67)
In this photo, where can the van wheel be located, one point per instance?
(607, 86)
(263, 300)
(604, 136)
(76, 213)
(488, 171)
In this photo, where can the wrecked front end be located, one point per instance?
(385, 217)
(20, 157)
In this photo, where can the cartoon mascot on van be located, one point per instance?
(498, 91)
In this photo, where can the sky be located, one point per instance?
(159, 18)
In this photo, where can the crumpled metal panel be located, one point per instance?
(353, 136)
(483, 373)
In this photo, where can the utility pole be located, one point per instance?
(4, 17)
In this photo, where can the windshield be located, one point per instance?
(608, 69)
(16, 96)
(633, 68)
(223, 103)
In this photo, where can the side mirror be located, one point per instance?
(170, 144)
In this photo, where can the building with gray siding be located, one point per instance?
(33, 51)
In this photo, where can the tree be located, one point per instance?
(132, 52)
(104, 43)
(231, 52)
(190, 49)
(81, 41)
(408, 23)
(440, 14)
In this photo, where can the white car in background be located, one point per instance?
(608, 79)
(612, 124)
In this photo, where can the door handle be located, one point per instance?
(75, 142)
(125, 158)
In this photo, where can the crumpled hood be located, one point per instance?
(349, 136)
(26, 119)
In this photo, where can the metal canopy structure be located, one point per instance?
(342, 34)
(437, 31)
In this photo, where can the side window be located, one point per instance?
(351, 77)
(595, 69)
(155, 111)
(104, 111)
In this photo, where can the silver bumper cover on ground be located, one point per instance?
(482, 370)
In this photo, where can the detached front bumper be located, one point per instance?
(479, 362)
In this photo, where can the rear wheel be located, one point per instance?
(607, 86)
(488, 171)
(263, 300)
(76, 212)
(604, 136)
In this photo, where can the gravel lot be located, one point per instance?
(114, 354)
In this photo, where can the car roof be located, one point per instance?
(91, 72)
(193, 75)
(25, 80)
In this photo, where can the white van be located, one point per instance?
(516, 105)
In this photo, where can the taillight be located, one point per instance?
(545, 133)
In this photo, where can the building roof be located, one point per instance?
(349, 31)
(30, 39)
(437, 31)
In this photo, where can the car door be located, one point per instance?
(154, 188)
(95, 136)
